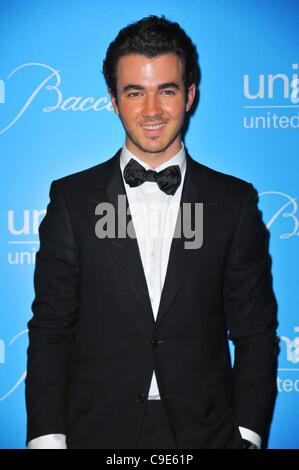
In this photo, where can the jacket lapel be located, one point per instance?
(125, 251)
(196, 189)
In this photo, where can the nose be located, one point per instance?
(152, 106)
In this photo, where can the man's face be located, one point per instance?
(151, 103)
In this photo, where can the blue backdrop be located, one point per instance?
(56, 119)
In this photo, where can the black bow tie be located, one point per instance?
(168, 179)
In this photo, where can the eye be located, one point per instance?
(134, 94)
(168, 92)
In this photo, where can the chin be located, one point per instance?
(155, 146)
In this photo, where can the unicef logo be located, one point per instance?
(273, 103)
(292, 347)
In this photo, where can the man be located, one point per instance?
(129, 338)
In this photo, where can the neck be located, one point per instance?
(155, 159)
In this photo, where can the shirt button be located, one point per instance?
(155, 342)
(152, 254)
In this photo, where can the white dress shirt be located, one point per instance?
(154, 216)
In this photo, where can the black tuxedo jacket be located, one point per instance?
(93, 339)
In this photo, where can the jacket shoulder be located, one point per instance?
(223, 183)
(89, 176)
(223, 179)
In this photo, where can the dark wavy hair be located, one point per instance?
(152, 36)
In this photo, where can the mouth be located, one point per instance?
(153, 129)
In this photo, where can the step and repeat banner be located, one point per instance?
(56, 118)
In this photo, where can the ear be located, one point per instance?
(114, 102)
(190, 96)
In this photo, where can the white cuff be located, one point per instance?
(49, 441)
(251, 436)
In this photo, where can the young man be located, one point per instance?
(129, 338)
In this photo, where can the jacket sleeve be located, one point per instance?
(251, 310)
(52, 328)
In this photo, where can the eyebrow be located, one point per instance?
(162, 86)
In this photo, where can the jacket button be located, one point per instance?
(140, 398)
(155, 342)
